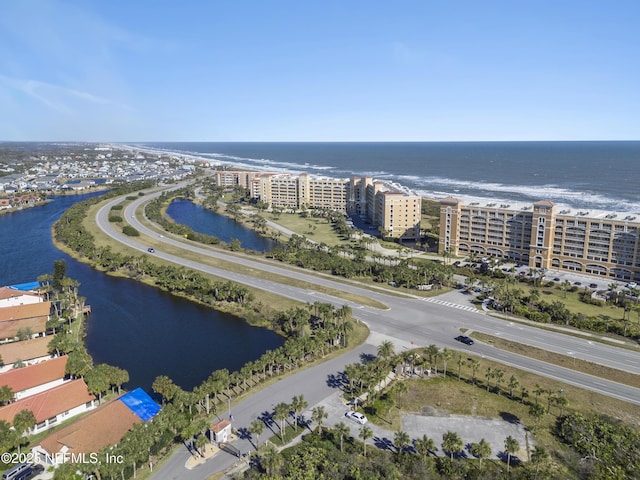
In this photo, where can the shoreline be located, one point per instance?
(439, 188)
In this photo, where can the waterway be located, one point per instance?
(133, 326)
(201, 220)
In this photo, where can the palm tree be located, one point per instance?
(23, 422)
(446, 355)
(482, 449)
(452, 443)
(460, 362)
(424, 445)
(499, 376)
(513, 383)
(385, 350)
(539, 457)
(432, 351)
(365, 434)
(475, 365)
(256, 428)
(537, 412)
(341, 430)
(280, 413)
(401, 440)
(318, 414)
(489, 374)
(562, 402)
(298, 405)
(511, 446)
(270, 459)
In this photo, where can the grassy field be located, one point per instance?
(572, 302)
(315, 229)
(566, 361)
(440, 396)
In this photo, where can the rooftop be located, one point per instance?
(19, 379)
(49, 403)
(24, 350)
(106, 425)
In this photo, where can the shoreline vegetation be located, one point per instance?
(557, 455)
(313, 333)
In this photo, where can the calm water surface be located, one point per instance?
(226, 229)
(133, 326)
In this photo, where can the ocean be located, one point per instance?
(585, 175)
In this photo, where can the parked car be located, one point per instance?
(465, 339)
(356, 417)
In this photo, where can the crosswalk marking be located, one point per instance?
(452, 305)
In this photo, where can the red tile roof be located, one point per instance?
(20, 379)
(25, 350)
(50, 403)
(6, 292)
(29, 310)
(221, 425)
(104, 426)
(10, 328)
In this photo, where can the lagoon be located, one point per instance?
(133, 326)
(201, 220)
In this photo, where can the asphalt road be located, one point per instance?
(409, 321)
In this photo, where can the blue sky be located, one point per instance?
(424, 70)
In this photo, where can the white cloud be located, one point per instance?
(56, 97)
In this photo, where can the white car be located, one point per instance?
(356, 417)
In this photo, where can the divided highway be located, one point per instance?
(410, 320)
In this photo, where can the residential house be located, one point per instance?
(33, 350)
(34, 379)
(52, 406)
(106, 425)
(27, 316)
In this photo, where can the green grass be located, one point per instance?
(315, 229)
(442, 396)
(572, 302)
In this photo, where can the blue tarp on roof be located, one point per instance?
(26, 286)
(141, 404)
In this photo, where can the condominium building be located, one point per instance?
(542, 236)
(384, 205)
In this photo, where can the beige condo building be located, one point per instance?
(385, 206)
(542, 236)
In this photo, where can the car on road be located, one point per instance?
(464, 339)
(593, 285)
(356, 417)
(151, 250)
(556, 279)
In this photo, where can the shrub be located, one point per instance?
(130, 231)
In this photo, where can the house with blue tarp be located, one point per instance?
(105, 425)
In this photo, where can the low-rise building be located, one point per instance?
(34, 379)
(27, 317)
(13, 297)
(52, 406)
(106, 425)
(33, 350)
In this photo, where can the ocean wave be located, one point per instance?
(430, 186)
